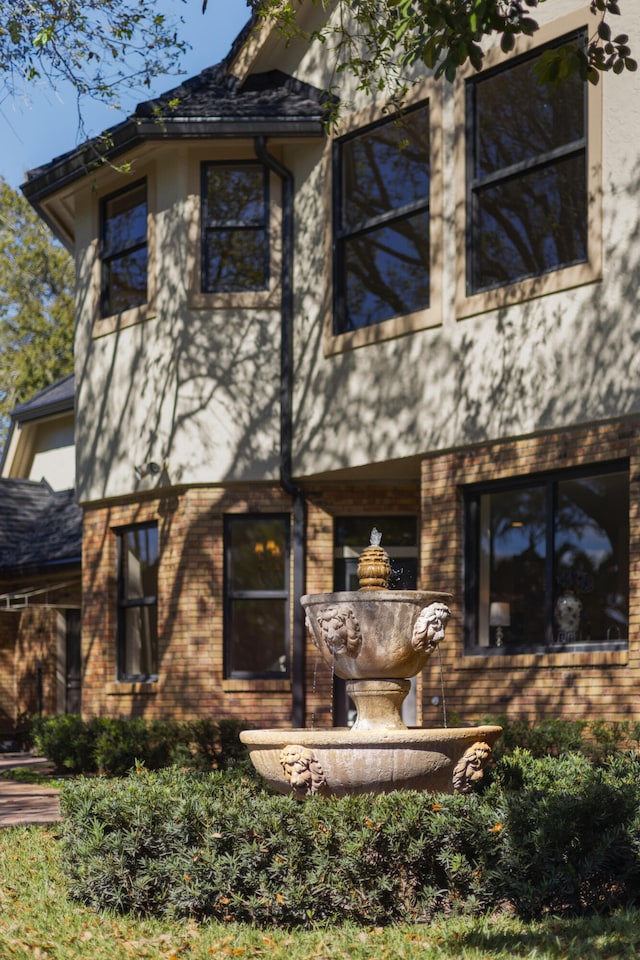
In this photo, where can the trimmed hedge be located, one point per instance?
(115, 746)
(559, 835)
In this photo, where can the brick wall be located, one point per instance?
(579, 685)
(191, 679)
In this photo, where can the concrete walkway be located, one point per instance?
(24, 803)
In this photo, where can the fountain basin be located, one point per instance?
(342, 761)
(376, 634)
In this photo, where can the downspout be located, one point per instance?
(286, 431)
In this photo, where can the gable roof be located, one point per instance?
(39, 528)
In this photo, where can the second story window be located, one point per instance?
(235, 227)
(381, 222)
(527, 174)
(123, 253)
(138, 602)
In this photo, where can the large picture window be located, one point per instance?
(138, 602)
(124, 253)
(257, 596)
(548, 562)
(527, 173)
(235, 227)
(381, 222)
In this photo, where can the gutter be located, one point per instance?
(286, 431)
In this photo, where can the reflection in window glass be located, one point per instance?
(235, 239)
(399, 539)
(124, 250)
(382, 257)
(527, 173)
(552, 562)
(138, 602)
(257, 595)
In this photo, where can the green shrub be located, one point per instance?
(547, 835)
(67, 741)
(218, 846)
(115, 746)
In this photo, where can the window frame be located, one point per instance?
(469, 302)
(232, 595)
(105, 325)
(206, 224)
(108, 256)
(423, 93)
(229, 154)
(123, 604)
(549, 482)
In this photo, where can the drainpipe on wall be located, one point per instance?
(286, 430)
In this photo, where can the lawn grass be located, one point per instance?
(39, 922)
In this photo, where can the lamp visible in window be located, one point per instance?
(499, 617)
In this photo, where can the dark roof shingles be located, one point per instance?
(38, 526)
(58, 394)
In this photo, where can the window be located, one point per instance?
(138, 602)
(381, 222)
(548, 562)
(124, 252)
(527, 173)
(257, 596)
(235, 227)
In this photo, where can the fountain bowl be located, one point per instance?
(375, 634)
(342, 761)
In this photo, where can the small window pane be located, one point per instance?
(258, 636)
(126, 281)
(141, 628)
(386, 168)
(125, 220)
(592, 556)
(531, 224)
(387, 272)
(235, 260)
(518, 118)
(514, 551)
(258, 554)
(140, 562)
(235, 194)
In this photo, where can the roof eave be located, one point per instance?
(132, 133)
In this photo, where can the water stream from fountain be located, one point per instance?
(444, 699)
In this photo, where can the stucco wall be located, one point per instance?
(197, 391)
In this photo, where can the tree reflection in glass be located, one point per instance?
(235, 241)
(382, 257)
(124, 250)
(527, 175)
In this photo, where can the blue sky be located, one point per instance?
(42, 123)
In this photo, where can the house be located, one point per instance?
(40, 554)
(288, 333)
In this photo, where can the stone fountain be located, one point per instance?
(376, 639)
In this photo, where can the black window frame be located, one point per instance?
(210, 224)
(341, 235)
(124, 603)
(474, 185)
(110, 254)
(230, 596)
(471, 560)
